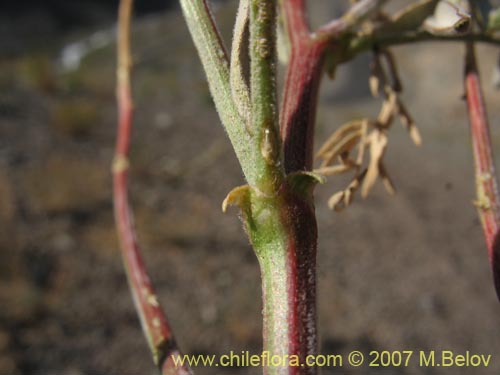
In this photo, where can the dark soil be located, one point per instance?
(395, 273)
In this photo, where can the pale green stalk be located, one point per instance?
(214, 58)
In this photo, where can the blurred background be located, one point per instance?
(408, 272)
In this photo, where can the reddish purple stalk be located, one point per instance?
(301, 270)
(486, 183)
(297, 121)
(298, 110)
(153, 319)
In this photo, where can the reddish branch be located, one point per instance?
(298, 110)
(486, 184)
(297, 121)
(153, 319)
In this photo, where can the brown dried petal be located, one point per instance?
(409, 124)
(378, 144)
(344, 145)
(386, 179)
(415, 134)
(377, 77)
(363, 141)
(335, 170)
(336, 201)
(386, 114)
(340, 133)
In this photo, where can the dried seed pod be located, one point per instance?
(386, 179)
(336, 201)
(387, 111)
(340, 133)
(342, 199)
(449, 18)
(377, 77)
(378, 145)
(363, 141)
(344, 145)
(335, 170)
(409, 124)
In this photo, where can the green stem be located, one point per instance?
(263, 95)
(214, 58)
(283, 232)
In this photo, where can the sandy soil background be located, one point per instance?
(395, 273)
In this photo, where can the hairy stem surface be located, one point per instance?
(283, 233)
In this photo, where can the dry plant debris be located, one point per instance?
(367, 136)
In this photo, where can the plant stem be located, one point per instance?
(263, 95)
(153, 320)
(283, 233)
(298, 111)
(356, 14)
(488, 200)
(357, 44)
(214, 59)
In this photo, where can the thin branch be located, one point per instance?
(352, 18)
(153, 320)
(303, 76)
(364, 42)
(488, 199)
(239, 48)
(215, 61)
(295, 19)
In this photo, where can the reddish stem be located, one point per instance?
(301, 269)
(153, 319)
(486, 183)
(297, 120)
(298, 111)
(295, 15)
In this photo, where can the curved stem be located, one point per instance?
(153, 320)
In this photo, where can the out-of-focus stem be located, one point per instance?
(488, 202)
(356, 14)
(153, 320)
(295, 19)
(366, 42)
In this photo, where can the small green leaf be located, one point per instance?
(303, 182)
